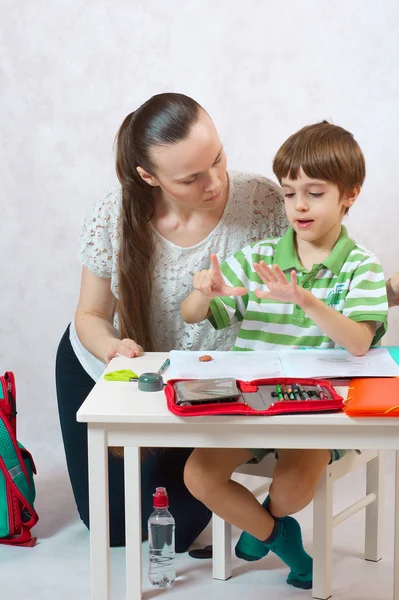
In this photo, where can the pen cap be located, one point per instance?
(150, 382)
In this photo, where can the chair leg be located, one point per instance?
(322, 537)
(221, 548)
(374, 511)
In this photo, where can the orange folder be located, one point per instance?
(373, 397)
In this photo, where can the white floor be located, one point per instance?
(58, 567)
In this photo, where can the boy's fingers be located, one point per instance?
(268, 270)
(293, 278)
(237, 291)
(279, 273)
(262, 294)
(208, 281)
(215, 266)
(264, 273)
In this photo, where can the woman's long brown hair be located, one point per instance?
(162, 120)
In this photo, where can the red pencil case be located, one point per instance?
(278, 407)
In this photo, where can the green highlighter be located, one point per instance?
(279, 392)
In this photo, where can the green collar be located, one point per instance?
(286, 256)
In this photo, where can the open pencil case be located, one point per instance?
(255, 398)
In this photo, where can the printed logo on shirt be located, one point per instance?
(335, 295)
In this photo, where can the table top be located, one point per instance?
(115, 402)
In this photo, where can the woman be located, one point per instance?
(140, 246)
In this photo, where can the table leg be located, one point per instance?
(133, 523)
(99, 514)
(396, 532)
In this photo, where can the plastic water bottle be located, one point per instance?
(161, 542)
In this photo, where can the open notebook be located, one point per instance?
(315, 363)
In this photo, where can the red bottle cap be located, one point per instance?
(160, 498)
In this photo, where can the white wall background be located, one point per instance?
(70, 70)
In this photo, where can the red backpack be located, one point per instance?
(17, 488)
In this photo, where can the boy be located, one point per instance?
(312, 287)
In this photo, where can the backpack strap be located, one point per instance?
(29, 515)
(23, 539)
(11, 438)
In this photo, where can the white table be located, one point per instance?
(118, 414)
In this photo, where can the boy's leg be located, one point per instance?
(296, 476)
(207, 475)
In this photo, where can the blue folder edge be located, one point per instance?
(394, 352)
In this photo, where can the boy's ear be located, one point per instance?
(350, 197)
(147, 177)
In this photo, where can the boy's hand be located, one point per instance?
(211, 283)
(280, 288)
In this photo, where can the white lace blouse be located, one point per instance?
(254, 210)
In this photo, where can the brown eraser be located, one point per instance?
(205, 358)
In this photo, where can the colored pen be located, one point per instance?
(304, 395)
(163, 367)
(279, 392)
(321, 394)
(290, 393)
(296, 392)
(285, 393)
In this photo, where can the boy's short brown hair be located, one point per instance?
(324, 151)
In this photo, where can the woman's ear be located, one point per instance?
(147, 177)
(351, 196)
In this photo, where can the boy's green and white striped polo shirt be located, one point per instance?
(350, 280)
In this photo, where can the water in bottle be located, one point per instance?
(161, 542)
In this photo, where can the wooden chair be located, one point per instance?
(323, 518)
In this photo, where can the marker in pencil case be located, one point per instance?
(285, 393)
(296, 392)
(304, 395)
(279, 392)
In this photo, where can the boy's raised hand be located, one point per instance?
(280, 289)
(211, 283)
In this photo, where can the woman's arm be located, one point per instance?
(94, 319)
(393, 290)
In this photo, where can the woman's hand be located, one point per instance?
(125, 347)
(280, 289)
(211, 283)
